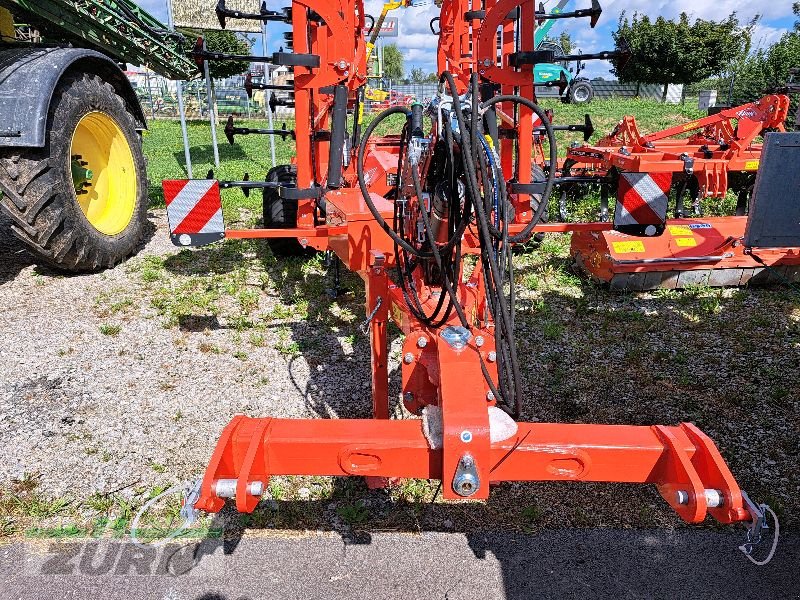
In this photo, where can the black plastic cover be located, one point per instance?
(774, 220)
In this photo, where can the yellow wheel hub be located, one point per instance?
(103, 173)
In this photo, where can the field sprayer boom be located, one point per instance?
(402, 210)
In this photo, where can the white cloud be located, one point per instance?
(719, 9)
(764, 35)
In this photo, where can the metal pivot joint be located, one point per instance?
(466, 481)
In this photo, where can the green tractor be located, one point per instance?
(72, 171)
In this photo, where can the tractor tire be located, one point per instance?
(580, 92)
(536, 199)
(280, 213)
(89, 132)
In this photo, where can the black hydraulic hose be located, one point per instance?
(338, 131)
(501, 311)
(405, 273)
(436, 255)
(362, 147)
(525, 234)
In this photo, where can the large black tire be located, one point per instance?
(280, 213)
(536, 199)
(580, 92)
(39, 192)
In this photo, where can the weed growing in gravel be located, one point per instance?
(258, 340)
(248, 300)
(151, 269)
(287, 346)
(279, 312)
(207, 347)
(100, 503)
(241, 322)
(552, 330)
(531, 515)
(188, 299)
(354, 513)
(110, 330)
(414, 490)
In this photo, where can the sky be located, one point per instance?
(419, 45)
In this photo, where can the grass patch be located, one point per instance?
(110, 330)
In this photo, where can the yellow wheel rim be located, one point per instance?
(103, 173)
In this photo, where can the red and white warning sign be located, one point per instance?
(642, 200)
(194, 210)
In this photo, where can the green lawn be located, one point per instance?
(164, 148)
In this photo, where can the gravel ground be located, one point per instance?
(92, 411)
(119, 382)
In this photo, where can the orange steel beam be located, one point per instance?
(324, 231)
(676, 459)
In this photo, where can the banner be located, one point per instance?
(390, 28)
(199, 14)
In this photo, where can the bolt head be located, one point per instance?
(492, 356)
(479, 341)
(422, 342)
(466, 436)
(408, 358)
(490, 395)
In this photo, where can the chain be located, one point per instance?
(365, 325)
(190, 494)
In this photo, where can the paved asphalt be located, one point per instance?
(552, 564)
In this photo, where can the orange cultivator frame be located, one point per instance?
(452, 365)
(456, 442)
(720, 153)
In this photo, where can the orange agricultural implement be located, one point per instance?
(722, 152)
(401, 211)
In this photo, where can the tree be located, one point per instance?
(763, 71)
(393, 63)
(664, 51)
(223, 41)
(418, 75)
(566, 42)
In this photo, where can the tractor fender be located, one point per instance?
(28, 78)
